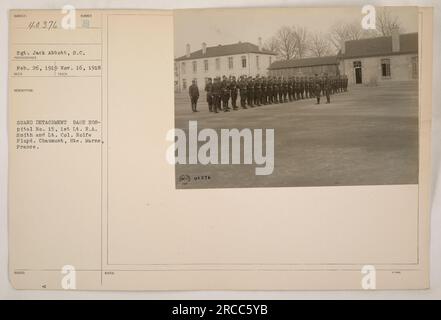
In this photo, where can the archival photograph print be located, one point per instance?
(295, 97)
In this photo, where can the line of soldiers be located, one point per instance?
(262, 90)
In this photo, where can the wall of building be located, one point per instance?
(177, 77)
(305, 71)
(265, 61)
(184, 77)
(401, 69)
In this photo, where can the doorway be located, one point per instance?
(358, 72)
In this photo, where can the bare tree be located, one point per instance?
(341, 32)
(286, 43)
(301, 36)
(386, 23)
(272, 44)
(289, 43)
(320, 45)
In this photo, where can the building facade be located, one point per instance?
(305, 67)
(379, 60)
(230, 60)
(366, 61)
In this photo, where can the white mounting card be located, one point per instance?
(258, 187)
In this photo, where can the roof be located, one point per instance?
(225, 50)
(306, 62)
(380, 46)
(370, 47)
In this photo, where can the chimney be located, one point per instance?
(343, 47)
(395, 39)
(187, 50)
(204, 48)
(260, 43)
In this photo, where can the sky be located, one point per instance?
(225, 26)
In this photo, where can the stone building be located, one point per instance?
(365, 61)
(381, 59)
(305, 67)
(242, 58)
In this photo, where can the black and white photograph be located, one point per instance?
(216, 150)
(295, 97)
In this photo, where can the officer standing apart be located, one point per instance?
(193, 91)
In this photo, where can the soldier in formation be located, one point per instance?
(209, 91)
(223, 93)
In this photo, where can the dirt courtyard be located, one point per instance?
(366, 136)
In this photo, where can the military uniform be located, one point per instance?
(269, 90)
(264, 88)
(217, 93)
(327, 88)
(250, 92)
(333, 85)
(310, 87)
(225, 89)
(276, 89)
(233, 92)
(280, 91)
(297, 88)
(285, 90)
(209, 91)
(193, 92)
(243, 92)
(317, 89)
(307, 88)
(257, 91)
(293, 88)
(302, 88)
